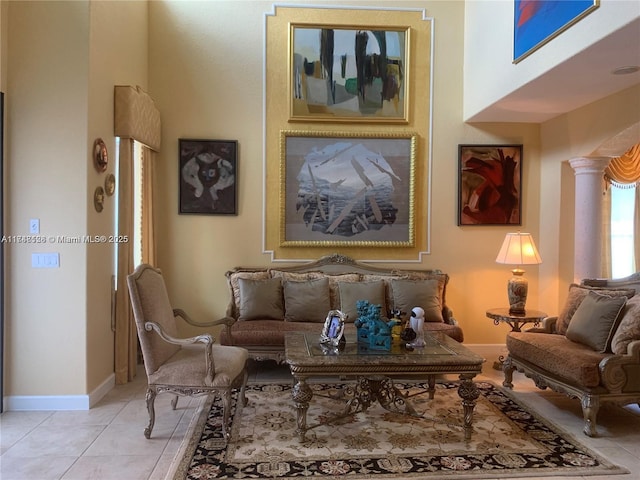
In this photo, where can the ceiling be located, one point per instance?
(578, 81)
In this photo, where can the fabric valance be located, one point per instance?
(624, 171)
(136, 116)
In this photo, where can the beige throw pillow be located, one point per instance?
(418, 293)
(595, 321)
(350, 293)
(629, 328)
(261, 299)
(575, 296)
(306, 301)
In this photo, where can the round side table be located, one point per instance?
(515, 321)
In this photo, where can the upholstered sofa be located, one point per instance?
(590, 351)
(266, 303)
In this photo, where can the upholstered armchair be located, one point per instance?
(187, 367)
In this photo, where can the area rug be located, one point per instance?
(507, 442)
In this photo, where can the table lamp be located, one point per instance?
(518, 249)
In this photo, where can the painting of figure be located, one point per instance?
(208, 172)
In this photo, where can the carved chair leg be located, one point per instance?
(174, 402)
(590, 407)
(242, 399)
(151, 398)
(507, 369)
(226, 409)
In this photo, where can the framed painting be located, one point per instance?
(347, 190)
(333, 329)
(208, 173)
(489, 185)
(348, 74)
(535, 22)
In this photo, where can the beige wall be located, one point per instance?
(206, 78)
(59, 93)
(486, 52)
(202, 64)
(576, 134)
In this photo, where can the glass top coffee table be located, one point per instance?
(374, 371)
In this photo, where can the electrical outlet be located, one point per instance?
(34, 226)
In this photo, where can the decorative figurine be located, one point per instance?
(417, 325)
(396, 330)
(373, 331)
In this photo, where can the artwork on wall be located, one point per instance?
(208, 172)
(348, 74)
(490, 185)
(100, 155)
(535, 22)
(347, 189)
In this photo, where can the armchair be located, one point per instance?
(187, 367)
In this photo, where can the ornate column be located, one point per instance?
(589, 173)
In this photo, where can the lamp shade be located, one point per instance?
(518, 249)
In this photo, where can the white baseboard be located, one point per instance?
(59, 402)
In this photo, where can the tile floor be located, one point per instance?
(107, 442)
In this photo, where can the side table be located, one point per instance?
(515, 321)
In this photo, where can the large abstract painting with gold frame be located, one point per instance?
(347, 189)
(348, 74)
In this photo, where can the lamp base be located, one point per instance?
(517, 289)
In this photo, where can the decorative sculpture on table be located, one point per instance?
(417, 325)
(373, 331)
(396, 330)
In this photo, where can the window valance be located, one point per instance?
(624, 171)
(136, 116)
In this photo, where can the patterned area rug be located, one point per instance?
(507, 441)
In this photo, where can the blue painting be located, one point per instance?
(535, 22)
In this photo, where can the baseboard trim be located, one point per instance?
(59, 402)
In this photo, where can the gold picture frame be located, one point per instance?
(345, 189)
(341, 73)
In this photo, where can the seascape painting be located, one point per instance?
(347, 190)
(343, 74)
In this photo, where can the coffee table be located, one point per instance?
(374, 371)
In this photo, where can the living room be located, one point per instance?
(202, 63)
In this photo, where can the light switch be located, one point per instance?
(34, 226)
(45, 260)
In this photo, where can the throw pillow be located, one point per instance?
(306, 301)
(260, 299)
(350, 293)
(420, 293)
(234, 279)
(577, 293)
(595, 321)
(629, 328)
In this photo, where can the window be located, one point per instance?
(622, 246)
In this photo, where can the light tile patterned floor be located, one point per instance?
(107, 443)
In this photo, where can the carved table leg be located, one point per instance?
(469, 393)
(302, 395)
(432, 386)
(390, 398)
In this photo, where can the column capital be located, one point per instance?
(589, 165)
